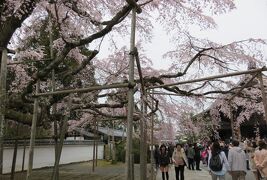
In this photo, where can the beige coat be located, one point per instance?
(260, 159)
(175, 156)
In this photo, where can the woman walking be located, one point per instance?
(260, 159)
(164, 160)
(180, 161)
(252, 147)
(221, 164)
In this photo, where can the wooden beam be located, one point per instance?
(83, 90)
(210, 78)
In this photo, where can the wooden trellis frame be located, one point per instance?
(130, 85)
(257, 73)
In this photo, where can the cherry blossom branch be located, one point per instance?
(82, 65)
(120, 16)
(145, 3)
(179, 74)
(134, 5)
(73, 6)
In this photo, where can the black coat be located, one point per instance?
(164, 159)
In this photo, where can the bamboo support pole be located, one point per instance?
(83, 90)
(3, 75)
(129, 159)
(211, 77)
(33, 132)
(264, 100)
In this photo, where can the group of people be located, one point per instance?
(236, 158)
(179, 156)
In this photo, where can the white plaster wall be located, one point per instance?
(45, 156)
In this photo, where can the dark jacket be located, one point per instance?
(164, 159)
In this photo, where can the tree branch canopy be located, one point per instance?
(11, 23)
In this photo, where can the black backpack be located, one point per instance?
(215, 162)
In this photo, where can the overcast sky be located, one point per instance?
(248, 20)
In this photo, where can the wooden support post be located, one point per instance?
(264, 100)
(13, 167)
(142, 144)
(33, 132)
(145, 146)
(114, 159)
(129, 159)
(152, 142)
(94, 148)
(23, 155)
(3, 75)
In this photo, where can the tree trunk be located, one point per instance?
(60, 146)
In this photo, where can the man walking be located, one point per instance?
(237, 162)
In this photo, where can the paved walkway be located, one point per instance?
(199, 175)
(189, 175)
(107, 171)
